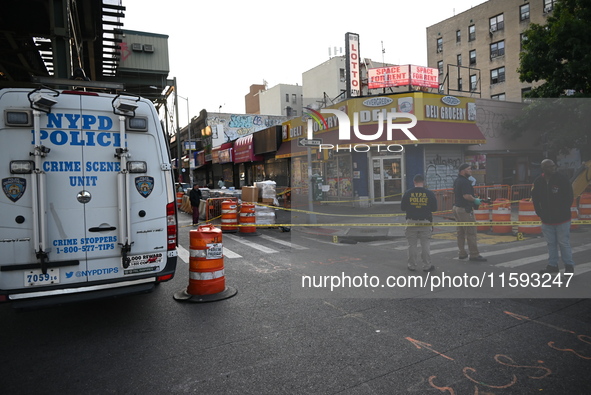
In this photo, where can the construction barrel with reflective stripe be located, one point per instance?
(585, 206)
(179, 199)
(528, 213)
(482, 214)
(247, 217)
(229, 216)
(502, 213)
(574, 214)
(207, 281)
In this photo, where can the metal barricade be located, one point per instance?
(213, 208)
(520, 192)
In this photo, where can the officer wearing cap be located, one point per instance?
(419, 204)
(464, 203)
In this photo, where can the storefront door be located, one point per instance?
(387, 179)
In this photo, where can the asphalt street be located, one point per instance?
(277, 335)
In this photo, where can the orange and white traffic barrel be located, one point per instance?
(229, 216)
(179, 199)
(574, 214)
(207, 281)
(247, 220)
(482, 214)
(501, 213)
(527, 213)
(585, 206)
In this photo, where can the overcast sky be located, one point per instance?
(218, 49)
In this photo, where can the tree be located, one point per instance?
(558, 55)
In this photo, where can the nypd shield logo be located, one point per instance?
(144, 185)
(14, 187)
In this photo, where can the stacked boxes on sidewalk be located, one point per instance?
(264, 195)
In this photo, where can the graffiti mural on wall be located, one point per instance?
(441, 171)
(235, 126)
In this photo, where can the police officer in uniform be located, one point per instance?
(419, 204)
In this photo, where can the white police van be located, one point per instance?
(87, 207)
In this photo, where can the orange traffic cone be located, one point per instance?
(207, 282)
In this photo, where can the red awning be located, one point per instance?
(427, 132)
(244, 150)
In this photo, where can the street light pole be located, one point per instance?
(178, 133)
(189, 138)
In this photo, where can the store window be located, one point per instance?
(339, 176)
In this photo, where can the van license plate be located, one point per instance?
(36, 277)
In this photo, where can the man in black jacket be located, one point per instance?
(464, 203)
(195, 198)
(552, 196)
(419, 204)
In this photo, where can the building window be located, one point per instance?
(460, 85)
(294, 98)
(342, 75)
(524, 12)
(522, 40)
(459, 59)
(458, 36)
(471, 33)
(473, 82)
(500, 96)
(524, 95)
(440, 66)
(439, 45)
(287, 97)
(497, 75)
(496, 23)
(549, 5)
(472, 57)
(497, 49)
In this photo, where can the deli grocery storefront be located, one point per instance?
(372, 167)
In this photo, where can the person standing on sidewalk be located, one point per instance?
(552, 196)
(195, 198)
(419, 204)
(464, 203)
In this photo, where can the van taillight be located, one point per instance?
(171, 226)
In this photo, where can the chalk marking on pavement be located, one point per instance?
(249, 243)
(286, 243)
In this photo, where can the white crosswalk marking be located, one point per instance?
(283, 242)
(531, 259)
(183, 253)
(433, 243)
(231, 254)
(254, 245)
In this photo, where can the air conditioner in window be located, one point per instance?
(493, 29)
(439, 49)
(547, 9)
(148, 48)
(136, 47)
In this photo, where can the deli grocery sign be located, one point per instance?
(386, 77)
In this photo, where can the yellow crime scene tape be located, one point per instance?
(451, 223)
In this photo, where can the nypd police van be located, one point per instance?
(87, 208)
